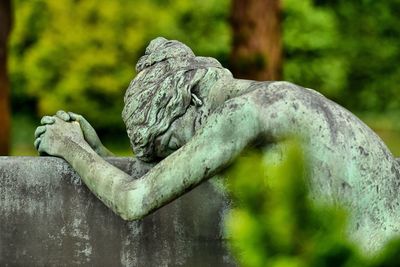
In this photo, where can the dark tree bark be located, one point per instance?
(257, 49)
(5, 28)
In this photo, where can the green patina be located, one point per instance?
(191, 116)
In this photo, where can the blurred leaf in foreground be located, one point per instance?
(275, 222)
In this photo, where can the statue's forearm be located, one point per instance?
(106, 181)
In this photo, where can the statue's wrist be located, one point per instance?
(74, 149)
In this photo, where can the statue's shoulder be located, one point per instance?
(289, 86)
(295, 90)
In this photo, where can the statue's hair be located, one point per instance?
(161, 92)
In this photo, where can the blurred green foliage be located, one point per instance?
(276, 224)
(310, 38)
(346, 49)
(369, 34)
(80, 55)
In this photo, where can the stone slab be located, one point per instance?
(49, 218)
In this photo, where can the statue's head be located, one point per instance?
(168, 82)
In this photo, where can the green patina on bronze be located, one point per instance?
(192, 116)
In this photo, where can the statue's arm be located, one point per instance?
(223, 137)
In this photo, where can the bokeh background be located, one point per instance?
(79, 55)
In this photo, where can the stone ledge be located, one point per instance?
(49, 218)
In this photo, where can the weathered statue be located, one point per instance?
(191, 115)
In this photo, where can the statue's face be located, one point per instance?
(177, 135)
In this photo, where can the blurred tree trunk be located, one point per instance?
(5, 28)
(257, 49)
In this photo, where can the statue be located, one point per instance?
(189, 114)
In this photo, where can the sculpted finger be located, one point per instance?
(37, 143)
(63, 115)
(74, 116)
(82, 121)
(47, 120)
(39, 131)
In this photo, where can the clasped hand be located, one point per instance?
(57, 134)
(63, 130)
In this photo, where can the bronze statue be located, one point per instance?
(192, 117)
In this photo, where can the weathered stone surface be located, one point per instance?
(49, 218)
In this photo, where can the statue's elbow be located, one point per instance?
(127, 216)
(131, 209)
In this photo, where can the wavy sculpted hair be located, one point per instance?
(162, 91)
